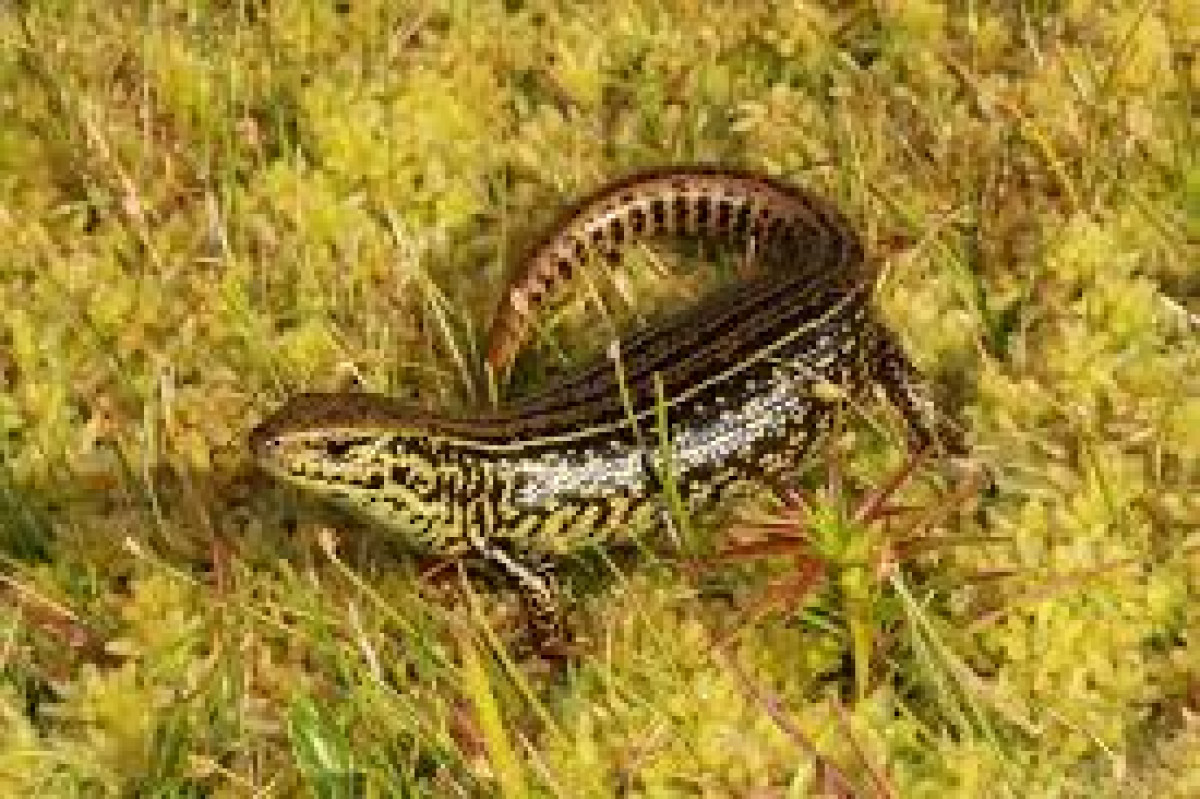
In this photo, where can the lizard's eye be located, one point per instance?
(261, 442)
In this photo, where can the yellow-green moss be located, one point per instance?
(205, 207)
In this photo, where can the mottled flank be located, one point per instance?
(750, 378)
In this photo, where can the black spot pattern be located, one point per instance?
(724, 212)
(741, 225)
(658, 210)
(681, 212)
(637, 220)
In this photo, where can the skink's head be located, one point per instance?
(318, 440)
(364, 452)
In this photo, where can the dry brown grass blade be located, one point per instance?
(57, 622)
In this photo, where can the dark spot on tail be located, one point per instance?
(741, 225)
(724, 212)
(637, 220)
(681, 212)
(658, 209)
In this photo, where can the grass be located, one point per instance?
(208, 206)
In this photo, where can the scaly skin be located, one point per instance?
(750, 377)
